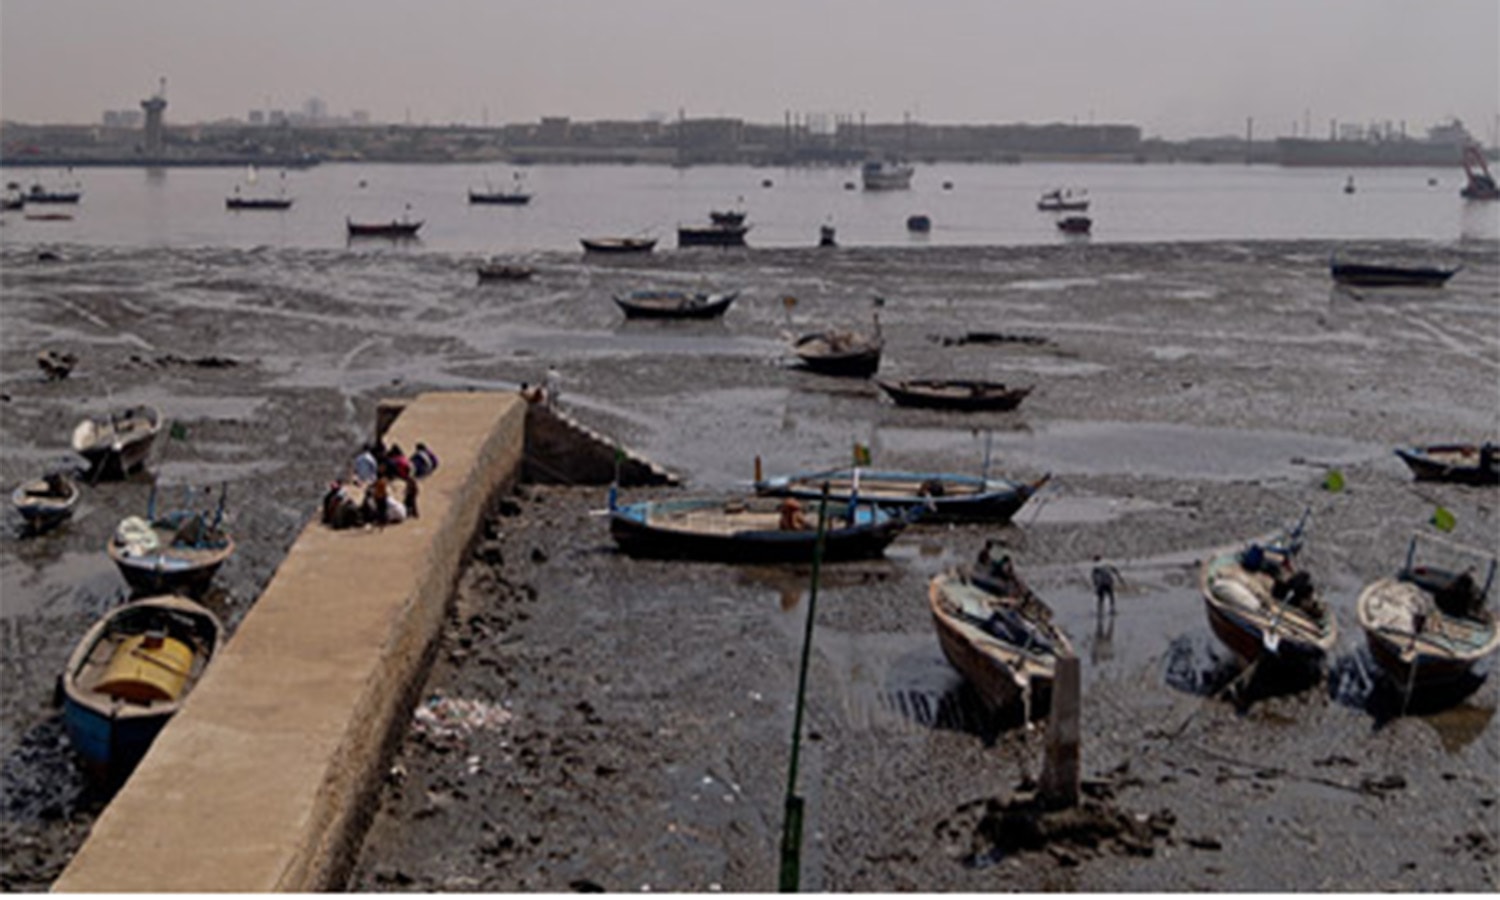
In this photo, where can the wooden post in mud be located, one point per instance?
(1059, 789)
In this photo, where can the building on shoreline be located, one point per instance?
(798, 141)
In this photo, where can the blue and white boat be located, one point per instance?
(751, 530)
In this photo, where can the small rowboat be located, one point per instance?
(938, 496)
(129, 674)
(46, 502)
(744, 530)
(956, 394)
(1262, 610)
(1005, 646)
(1427, 627)
(712, 235)
(1463, 463)
(843, 353)
(1075, 224)
(617, 245)
(117, 444)
(392, 229)
(178, 553)
(499, 198)
(497, 271)
(674, 304)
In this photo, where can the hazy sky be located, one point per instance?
(1177, 68)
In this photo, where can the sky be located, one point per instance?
(1176, 68)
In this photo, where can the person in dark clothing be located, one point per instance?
(1104, 576)
(1460, 597)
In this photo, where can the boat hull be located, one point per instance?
(712, 236)
(638, 532)
(40, 511)
(964, 498)
(119, 444)
(680, 306)
(1361, 275)
(617, 245)
(1435, 657)
(1460, 463)
(111, 735)
(960, 396)
(1255, 626)
(383, 229)
(268, 204)
(1005, 675)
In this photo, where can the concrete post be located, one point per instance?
(1059, 788)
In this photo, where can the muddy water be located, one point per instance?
(1187, 395)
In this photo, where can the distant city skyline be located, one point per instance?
(1176, 68)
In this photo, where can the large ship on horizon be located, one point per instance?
(1355, 146)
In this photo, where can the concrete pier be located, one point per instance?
(264, 780)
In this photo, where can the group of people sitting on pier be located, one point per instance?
(381, 487)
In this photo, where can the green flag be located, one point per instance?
(1443, 520)
(861, 454)
(1334, 482)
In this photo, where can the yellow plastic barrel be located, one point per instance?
(147, 668)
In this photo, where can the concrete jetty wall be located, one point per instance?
(264, 780)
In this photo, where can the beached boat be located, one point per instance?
(959, 394)
(648, 304)
(886, 175)
(748, 530)
(838, 352)
(1464, 463)
(1369, 275)
(499, 271)
(1004, 645)
(617, 245)
(179, 552)
(1428, 627)
(117, 444)
(1075, 224)
(129, 674)
(1263, 609)
(45, 502)
(712, 235)
(936, 496)
(396, 228)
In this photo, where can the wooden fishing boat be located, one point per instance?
(1368, 275)
(617, 245)
(1428, 627)
(257, 203)
(1263, 610)
(843, 353)
(499, 271)
(747, 530)
(179, 552)
(117, 444)
(960, 394)
(1005, 646)
(1477, 464)
(712, 235)
(129, 674)
(396, 228)
(649, 304)
(45, 502)
(937, 496)
(886, 175)
(1075, 224)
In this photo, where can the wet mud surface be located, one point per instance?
(593, 721)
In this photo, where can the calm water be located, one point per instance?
(985, 205)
